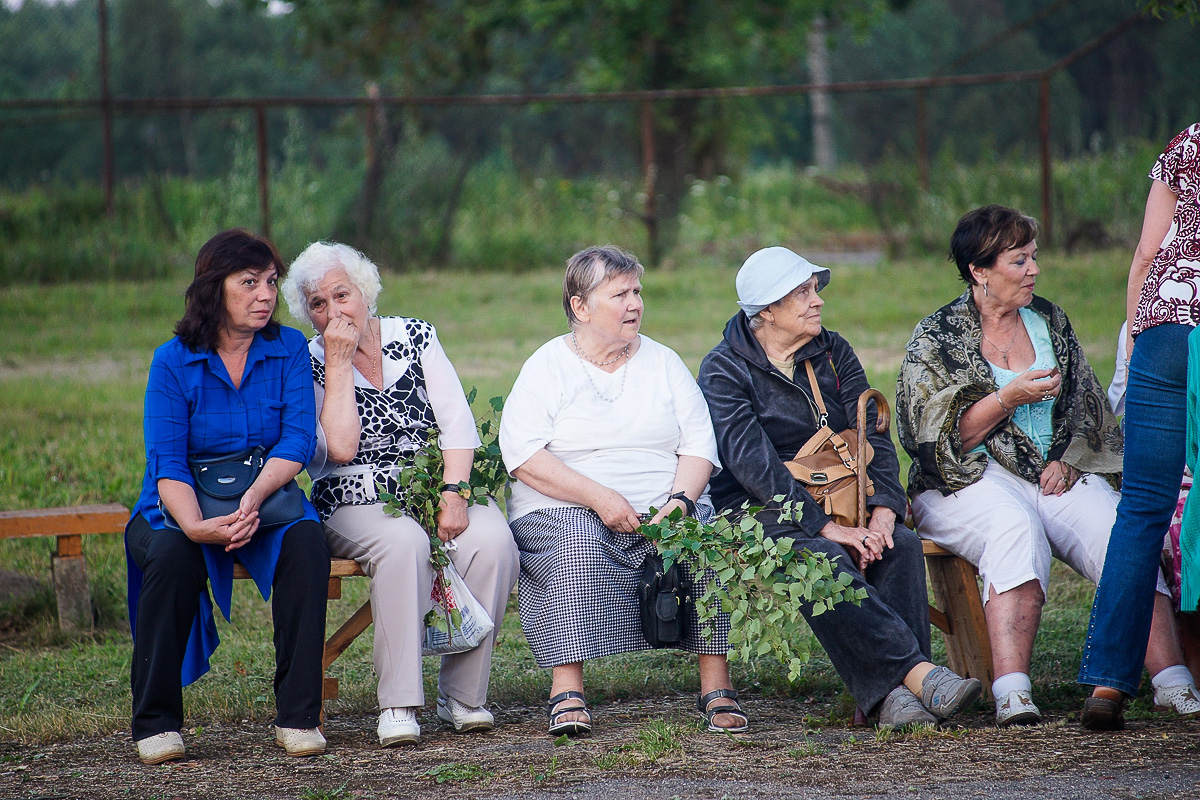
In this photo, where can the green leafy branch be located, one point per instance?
(763, 584)
(420, 483)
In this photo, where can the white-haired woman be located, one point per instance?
(381, 383)
(602, 425)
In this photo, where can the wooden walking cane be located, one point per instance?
(882, 422)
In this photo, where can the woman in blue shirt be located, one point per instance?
(232, 379)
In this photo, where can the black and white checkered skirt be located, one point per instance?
(577, 593)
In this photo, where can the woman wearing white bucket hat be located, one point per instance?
(764, 407)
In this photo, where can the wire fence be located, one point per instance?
(583, 133)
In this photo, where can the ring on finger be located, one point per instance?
(864, 541)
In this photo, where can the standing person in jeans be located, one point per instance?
(1163, 303)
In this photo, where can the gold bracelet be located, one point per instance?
(1006, 409)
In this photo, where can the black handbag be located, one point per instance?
(221, 481)
(665, 601)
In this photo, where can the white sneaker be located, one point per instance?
(1183, 699)
(300, 741)
(161, 747)
(398, 726)
(1017, 708)
(464, 718)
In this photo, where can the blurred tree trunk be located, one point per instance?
(824, 154)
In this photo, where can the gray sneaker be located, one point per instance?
(945, 694)
(901, 707)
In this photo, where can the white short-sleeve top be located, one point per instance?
(629, 439)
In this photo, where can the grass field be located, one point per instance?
(72, 373)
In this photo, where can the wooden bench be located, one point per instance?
(958, 612)
(69, 525)
(344, 636)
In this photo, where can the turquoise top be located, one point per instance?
(1032, 418)
(1189, 533)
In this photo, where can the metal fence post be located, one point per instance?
(1044, 136)
(650, 175)
(264, 201)
(106, 110)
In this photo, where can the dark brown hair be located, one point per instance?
(983, 234)
(204, 313)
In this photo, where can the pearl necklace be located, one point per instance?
(579, 350)
(624, 374)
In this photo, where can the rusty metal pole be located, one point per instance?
(1044, 136)
(650, 175)
(106, 111)
(922, 142)
(264, 200)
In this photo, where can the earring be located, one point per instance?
(985, 293)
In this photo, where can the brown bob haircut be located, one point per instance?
(983, 234)
(204, 315)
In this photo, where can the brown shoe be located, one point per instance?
(1102, 714)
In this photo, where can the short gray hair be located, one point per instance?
(757, 322)
(591, 267)
(317, 261)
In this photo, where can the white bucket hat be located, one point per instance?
(770, 274)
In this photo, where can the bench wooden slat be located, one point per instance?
(338, 568)
(74, 520)
(933, 549)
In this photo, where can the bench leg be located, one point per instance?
(71, 584)
(341, 639)
(968, 650)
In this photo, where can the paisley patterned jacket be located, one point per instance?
(944, 373)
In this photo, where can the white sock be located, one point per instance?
(1012, 682)
(1178, 675)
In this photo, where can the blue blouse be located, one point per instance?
(193, 409)
(1035, 419)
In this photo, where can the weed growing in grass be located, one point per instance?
(808, 748)
(458, 772)
(547, 774)
(312, 793)
(658, 741)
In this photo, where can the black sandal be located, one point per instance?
(574, 727)
(734, 710)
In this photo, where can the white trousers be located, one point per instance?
(394, 552)
(1006, 527)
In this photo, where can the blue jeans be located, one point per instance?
(1155, 432)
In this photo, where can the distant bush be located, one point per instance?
(505, 218)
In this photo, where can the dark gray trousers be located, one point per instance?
(872, 645)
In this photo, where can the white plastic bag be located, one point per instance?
(458, 622)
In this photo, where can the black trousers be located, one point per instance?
(173, 577)
(873, 645)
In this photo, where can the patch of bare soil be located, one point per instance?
(780, 758)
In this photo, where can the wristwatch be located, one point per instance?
(462, 491)
(689, 506)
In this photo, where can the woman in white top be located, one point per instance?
(381, 384)
(602, 425)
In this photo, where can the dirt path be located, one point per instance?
(635, 757)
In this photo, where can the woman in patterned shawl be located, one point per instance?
(381, 384)
(1016, 455)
